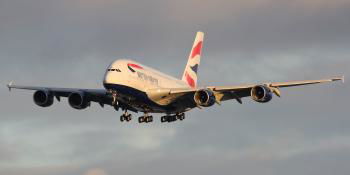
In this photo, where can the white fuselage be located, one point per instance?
(138, 82)
(143, 79)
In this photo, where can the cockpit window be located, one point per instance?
(118, 70)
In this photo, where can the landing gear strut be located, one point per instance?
(114, 98)
(172, 118)
(146, 118)
(125, 117)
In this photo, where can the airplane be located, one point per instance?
(131, 86)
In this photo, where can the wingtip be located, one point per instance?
(10, 85)
(342, 78)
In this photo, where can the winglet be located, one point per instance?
(9, 85)
(343, 78)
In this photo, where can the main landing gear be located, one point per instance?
(146, 118)
(125, 117)
(172, 118)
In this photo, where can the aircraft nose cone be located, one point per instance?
(108, 78)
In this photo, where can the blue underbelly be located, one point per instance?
(139, 99)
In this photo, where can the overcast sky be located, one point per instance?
(69, 43)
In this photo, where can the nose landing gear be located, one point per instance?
(125, 117)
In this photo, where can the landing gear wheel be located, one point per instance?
(164, 119)
(128, 117)
(122, 118)
(182, 116)
(171, 118)
(141, 119)
(147, 120)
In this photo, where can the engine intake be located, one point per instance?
(261, 94)
(204, 98)
(43, 98)
(78, 100)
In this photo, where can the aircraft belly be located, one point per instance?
(140, 101)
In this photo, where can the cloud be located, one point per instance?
(95, 171)
(287, 147)
(70, 43)
(7, 152)
(149, 138)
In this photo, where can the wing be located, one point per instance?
(223, 93)
(238, 92)
(97, 95)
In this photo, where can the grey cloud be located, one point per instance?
(70, 43)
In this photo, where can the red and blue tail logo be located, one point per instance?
(191, 70)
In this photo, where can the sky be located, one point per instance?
(70, 43)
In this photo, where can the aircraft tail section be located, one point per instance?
(190, 73)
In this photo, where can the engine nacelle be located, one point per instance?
(261, 94)
(78, 100)
(43, 98)
(204, 98)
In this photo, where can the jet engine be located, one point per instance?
(261, 93)
(204, 98)
(78, 100)
(43, 98)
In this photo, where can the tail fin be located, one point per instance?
(190, 73)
